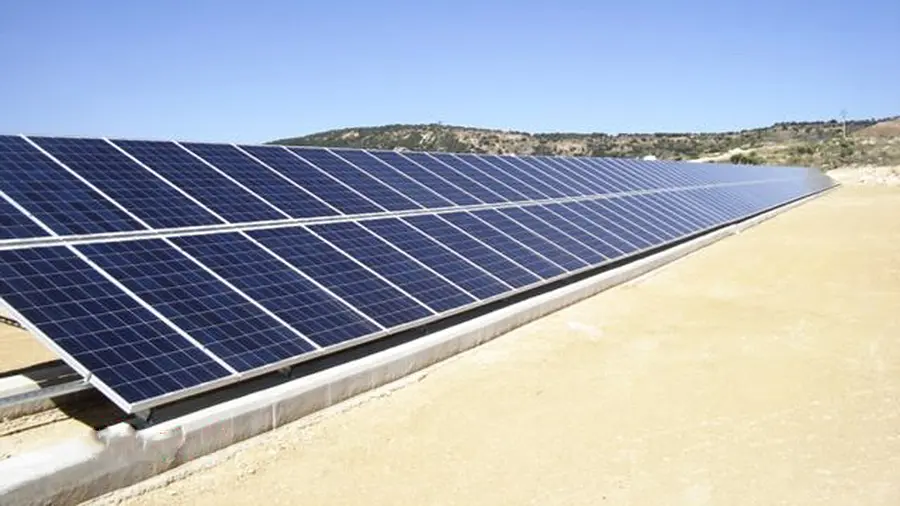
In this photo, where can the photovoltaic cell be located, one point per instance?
(100, 327)
(541, 186)
(504, 244)
(594, 250)
(437, 181)
(532, 239)
(15, 225)
(267, 184)
(226, 198)
(438, 257)
(405, 273)
(613, 237)
(209, 311)
(447, 168)
(479, 253)
(296, 300)
(395, 179)
(499, 180)
(53, 195)
(353, 283)
(503, 193)
(129, 184)
(313, 180)
(357, 179)
(535, 220)
(624, 225)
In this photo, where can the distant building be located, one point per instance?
(649, 157)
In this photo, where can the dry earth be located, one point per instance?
(18, 349)
(888, 176)
(764, 369)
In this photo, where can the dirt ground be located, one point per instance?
(18, 349)
(764, 369)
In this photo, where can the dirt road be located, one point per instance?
(764, 369)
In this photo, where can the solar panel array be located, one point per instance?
(162, 269)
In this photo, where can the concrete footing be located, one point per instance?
(120, 456)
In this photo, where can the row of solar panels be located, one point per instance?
(94, 186)
(416, 237)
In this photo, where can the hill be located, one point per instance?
(813, 143)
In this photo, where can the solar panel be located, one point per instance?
(101, 330)
(52, 193)
(477, 252)
(442, 259)
(231, 326)
(365, 183)
(507, 245)
(304, 174)
(159, 270)
(267, 184)
(445, 166)
(412, 277)
(126, 182)
(438, 181)
(394, 179)
(345, 276)
(285, 291)
(202, 181)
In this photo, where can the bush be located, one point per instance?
(751, 158)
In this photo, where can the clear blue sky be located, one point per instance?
(255, 71)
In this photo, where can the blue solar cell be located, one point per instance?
(502, 178)
(228, 325)
(15, 225)
(571, 173)
(394, 179)
(501, 242)
(226, 198)
(625, 209)
(449, 172)
(440, 258)
(470, 171)
(578, 168)
(650, 207)
(129, 184)
(613, 237)
(550, 227)
(437, 181)
(477, 252)
(599, 250)
(296, 300)
(313, 180)
(353, 283)
(605, 178)
(267, 184)
(424, 285)
(622, 224)
(534, 240)
(533, 176)
(697, 218)
(53, 195)
(357, 179)
(104, 330)
(565, 177)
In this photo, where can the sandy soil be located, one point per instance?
(867, 175)
(764, 369)
(18, 349)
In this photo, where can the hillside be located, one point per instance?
(814, 144)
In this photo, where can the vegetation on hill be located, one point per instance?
(814, 144)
